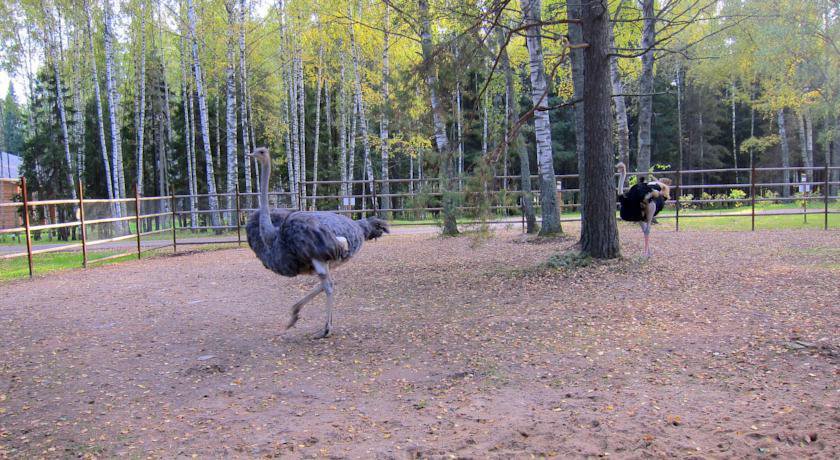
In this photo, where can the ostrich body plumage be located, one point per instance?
(304, 236)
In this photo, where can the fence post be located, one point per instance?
(825, 196)
(174, 221)
(26, 224)
(678, 194)
(238, 216)
(82, 223)
(752, 194)
(137, 217)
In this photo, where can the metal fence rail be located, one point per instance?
(412, 200)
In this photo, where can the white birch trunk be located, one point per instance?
(542, 125)
(320, 84)
(113, 107)
(383, 121)
(622, 129)
(62, 113)
(103, 144)
(186, 99)
(646, 86)
(783, 140)
(78, 107)
(213, 199)
(243, 113)
(363, 122)
(141, 98)
(300, 161)
(230, 115)
(342, 135)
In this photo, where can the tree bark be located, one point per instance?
(783, 140)
(573, 11)
(243, 114)
(213, 199)
(646, 86)
(103, 145)
(383, 121)
(599, 233)
(450, 227)
(621, 125)
(518, 144)
(186, 99)
(140, 110)
(300, 159)
(79, 108)
(59, 93)
(230, 114)
(363, 122)
(734, 133)
(342, 135)
(113, 108)
(531, 10)
(315, 147)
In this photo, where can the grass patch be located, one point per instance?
(569, 260)
(11, 269)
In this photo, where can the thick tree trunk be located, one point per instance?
(599, 233)
(783, 140)
(531, 10)
(806, 136)
(103, 145)
(573, 11)
(294, 179)
(383, 121)
(450, 227)
(141, 98)
(646, 86)
(230, 115)
(621, 126)
(213, 199)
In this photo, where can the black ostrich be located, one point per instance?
(293, 243)
(642, 202)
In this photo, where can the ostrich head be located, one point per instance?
(262, 155)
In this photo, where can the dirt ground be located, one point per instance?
(723, 345)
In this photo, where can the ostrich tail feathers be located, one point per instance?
(373, 227)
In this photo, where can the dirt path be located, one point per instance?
(444, 348)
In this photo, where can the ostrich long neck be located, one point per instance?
(267, 230)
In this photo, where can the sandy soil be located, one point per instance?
(723, 345)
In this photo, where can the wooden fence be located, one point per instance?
(816, 187)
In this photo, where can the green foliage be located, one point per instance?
(569, 260)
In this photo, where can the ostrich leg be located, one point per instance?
(649, 212)
(323, 271)
(297, 307)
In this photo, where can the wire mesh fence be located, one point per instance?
(104, 229)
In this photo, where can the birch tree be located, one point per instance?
(542, 124)
(383, 121)
(646, 86)
(213, 199)
(230, 113)
(450, 226)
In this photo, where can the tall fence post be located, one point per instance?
(678, 194)
(825, 195)
(238, 216)
(137, 218)
(26, 224)
(752, 194)
(82, 223)
(174, 221)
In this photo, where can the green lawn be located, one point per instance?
(44, 263)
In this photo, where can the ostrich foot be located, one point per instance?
(323, 334)
(292, 321)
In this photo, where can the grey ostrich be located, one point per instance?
(293, 243)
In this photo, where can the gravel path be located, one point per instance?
(723, 345)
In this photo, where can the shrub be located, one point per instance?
(685, 201)
(737, 194)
